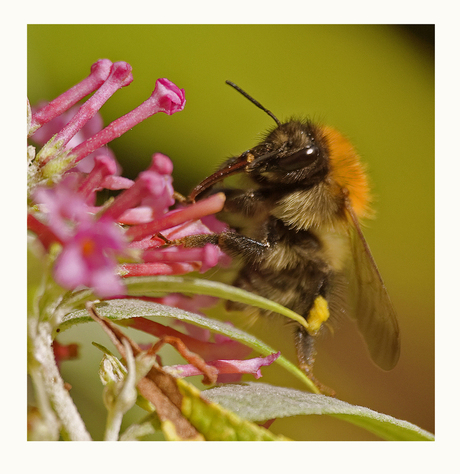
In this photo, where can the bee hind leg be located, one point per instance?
(306, 355)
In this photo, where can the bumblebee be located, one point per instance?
(298, 236)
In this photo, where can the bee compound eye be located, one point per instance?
(300, 159)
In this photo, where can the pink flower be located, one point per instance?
(120, 76)
(100, 71)
(207, 255)
(152, 191)
(90, 128)
(62, 205)
(59, 154)
(94, 238)
(221, 348)
(88, 258)
(166, 97)
(249, 366)
(202, 208)
(103, 167)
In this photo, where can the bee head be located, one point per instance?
(295, 152)
(304, 155)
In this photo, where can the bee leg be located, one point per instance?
(198, 240)
(248, 203)
(306, 354)
(235, 244)
(231, 243)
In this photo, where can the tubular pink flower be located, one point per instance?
(100, 71)
(225, 348)
(120, 76)
(158, 203)
(147, 243)
(205, 207)
(149, 184)
(139, 215)
(103, 166)
(207, 255)
(115, 183)
(222, 347)
(186, 228)
(166, 97)
(52, 149)
(249, 366)
(89, 247)
(214, 225)
(53, 127)
(163, 198)
(173, 254)
(161, 164)
(146, 269)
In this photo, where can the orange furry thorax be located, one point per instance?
(347, 170)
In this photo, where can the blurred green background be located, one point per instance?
(375, 83)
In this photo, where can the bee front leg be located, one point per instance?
(232, 243)
(246, 202)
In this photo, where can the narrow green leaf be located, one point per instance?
(119, 310)
(258, 402)
(153, 285)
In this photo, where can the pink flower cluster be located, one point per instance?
(100, 244)
(94, 238)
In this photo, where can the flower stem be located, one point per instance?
(55, 402)
(118, 404)
(100, 70)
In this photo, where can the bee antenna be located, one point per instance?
(254, 101)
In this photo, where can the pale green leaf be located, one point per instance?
(258, 402)
(216, 423)
(119, 310)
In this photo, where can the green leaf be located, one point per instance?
(119, 310)
(258, 402)
(144, 286)
(137, 431)
(216, 423)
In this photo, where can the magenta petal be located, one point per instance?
(202, 208)
(88, 258)
(210, 257)
(161, 164)
(70, 270)
(249, 366)
(107, 283)
(169, 97)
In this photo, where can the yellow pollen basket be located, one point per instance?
(318, 315)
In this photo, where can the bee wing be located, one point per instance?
(374, 312)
